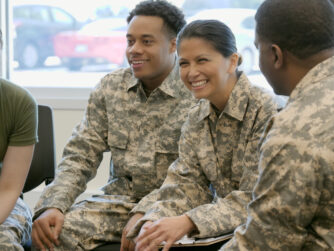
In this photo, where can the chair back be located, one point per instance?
(44, 161)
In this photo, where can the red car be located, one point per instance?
(99, 42)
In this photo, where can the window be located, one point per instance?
(61, 17)
(38, 14)
(249, 23)
(61, 50)
(21, 13)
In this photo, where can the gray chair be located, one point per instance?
(43, 163)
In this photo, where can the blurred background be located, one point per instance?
(73, 43)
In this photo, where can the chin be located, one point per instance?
(279, 91)
(138, 74)
(276, 87)
(199, 96)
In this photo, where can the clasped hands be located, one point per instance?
(151, 235)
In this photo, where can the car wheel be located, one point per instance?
(247, 60)
(30, 57)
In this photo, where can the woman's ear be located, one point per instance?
(277, 56)
(234, 59)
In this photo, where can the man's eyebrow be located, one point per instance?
(142, 36)
(147, 36)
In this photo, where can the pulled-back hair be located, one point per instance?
(215, 32)
(172, 16)
(302, 27)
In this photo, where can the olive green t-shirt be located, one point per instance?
(18, 117)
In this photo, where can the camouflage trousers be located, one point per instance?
(94, 221)
(16, 229)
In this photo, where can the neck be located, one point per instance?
(153, 82)
(147, 91)
(300, 67)
(221, 97)
(315, 59)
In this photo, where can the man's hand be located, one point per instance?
(168, 229)
(46, 229)
(129, 245)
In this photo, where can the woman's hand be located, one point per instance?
(169, 229)
(126, 244)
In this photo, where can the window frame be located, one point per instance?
(72, 98)
(62, 97)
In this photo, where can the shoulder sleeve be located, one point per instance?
(25, 119)
(82, 156)
(285, 199)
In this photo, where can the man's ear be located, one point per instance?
(277, 56)
(172, 45)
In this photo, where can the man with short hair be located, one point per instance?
(293, 201)
(135, 113)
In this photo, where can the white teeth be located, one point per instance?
(199, 83)
(137, 62)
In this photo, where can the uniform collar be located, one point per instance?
(322, 70)
(236, 105)
(171, 85)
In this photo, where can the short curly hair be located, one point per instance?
(172, 16)
(301, 27)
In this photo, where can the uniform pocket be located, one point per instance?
(118, 139)
(168, 143)
(118, 145)
(166, 152)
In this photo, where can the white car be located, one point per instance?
(242, 23)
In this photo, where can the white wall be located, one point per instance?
(64, 122)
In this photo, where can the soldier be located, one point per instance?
(135, 113)
(293, 201)
(18, 135)
(208, 187)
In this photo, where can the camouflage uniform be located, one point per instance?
(293, 205)
(141, 133)
(217, 155)
(16, 228)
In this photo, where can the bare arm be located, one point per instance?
(14, 171)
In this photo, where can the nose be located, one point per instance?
(135, 48)
(192, 72)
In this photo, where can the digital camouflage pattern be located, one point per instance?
(293, 204)
(216, 154)
(16, 229)
(141, 133)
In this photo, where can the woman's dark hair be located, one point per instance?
(218, 34)
(301, 27)
(172, 16)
